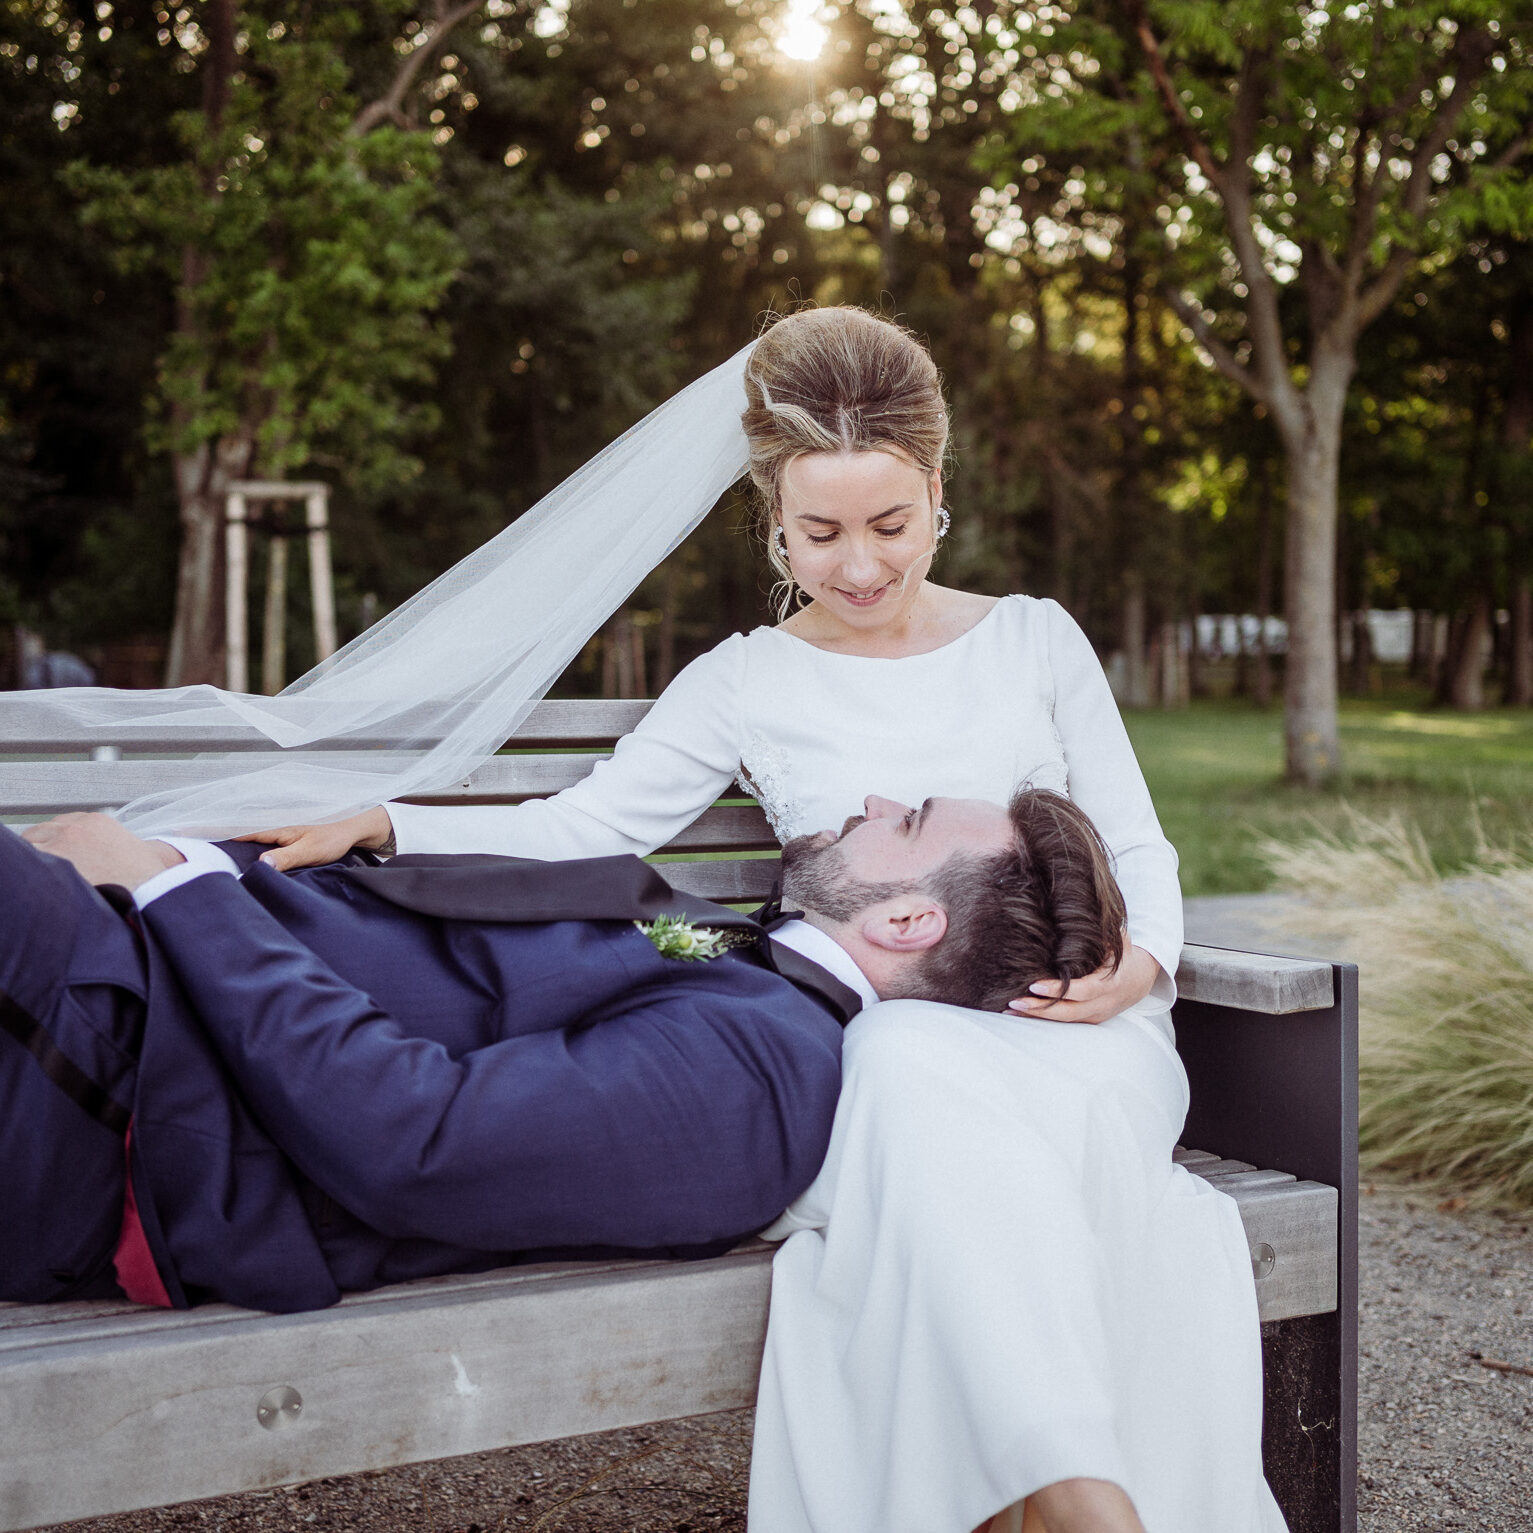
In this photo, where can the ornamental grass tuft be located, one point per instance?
(1446, 1000)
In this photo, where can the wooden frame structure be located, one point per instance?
(109, 1407)
(315, 495)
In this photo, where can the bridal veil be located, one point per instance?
(436, 686)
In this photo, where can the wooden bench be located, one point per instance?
(109, 1407)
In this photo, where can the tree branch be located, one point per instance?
(1365, 208)
(389, 107)
(1240, 214)
(1197, 148)
(1471, 54)
(1223, 358)
(1380, 293)
(1513, 152)
(1232, 182)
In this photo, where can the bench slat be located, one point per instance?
(111, 1411)
(114, 1424)
(563, 722)
(51, 787)
(728, 883)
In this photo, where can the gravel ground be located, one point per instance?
(1446, 1443)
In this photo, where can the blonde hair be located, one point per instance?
(836, 380)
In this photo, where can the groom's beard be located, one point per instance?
(814, 875)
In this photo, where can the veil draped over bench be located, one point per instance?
(436, 686)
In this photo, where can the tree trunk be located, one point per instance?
(1062, 530)
(1466, 686)
(197, 637)
(1448, 650)
(665, 647)
(1423, 636)
(196, 652)
(1173, 667)
(1516, 429)
(1136, 672)
(1264, 586)
(1360, 669)
(1195, 679)
(1312, 744)
(636, 663)
(274, 624)
(1519, 670)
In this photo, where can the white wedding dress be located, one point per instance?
(999, 1279)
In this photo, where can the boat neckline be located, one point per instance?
(941, 649)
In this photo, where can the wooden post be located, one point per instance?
(315, 495)
(236, 545)
(321, 581)
(274, 636)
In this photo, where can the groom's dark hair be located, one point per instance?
(1046, 907)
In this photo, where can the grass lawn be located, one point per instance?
(1215, 772)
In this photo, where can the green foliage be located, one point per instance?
(78, 337)
(1345, 99)
(310, 262)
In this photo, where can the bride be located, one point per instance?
(1000, 1305)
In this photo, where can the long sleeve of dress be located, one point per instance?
(1106, 782)
(682, 756)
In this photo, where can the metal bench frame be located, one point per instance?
(109, 1407)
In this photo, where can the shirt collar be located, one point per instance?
(818, 947)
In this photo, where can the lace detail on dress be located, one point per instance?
(1053, 770)
(1057, 770)
(765, 772)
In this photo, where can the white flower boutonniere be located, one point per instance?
(677, 937)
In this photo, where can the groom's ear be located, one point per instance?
(909, 923)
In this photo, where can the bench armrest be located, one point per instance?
(1262, 982)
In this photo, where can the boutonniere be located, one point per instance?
(677, 937)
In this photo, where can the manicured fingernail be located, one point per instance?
(1038, 989)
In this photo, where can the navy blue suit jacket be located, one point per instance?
(334, 1092)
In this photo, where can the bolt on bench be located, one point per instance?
(110, 1407)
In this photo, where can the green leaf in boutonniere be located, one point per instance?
(677, 937)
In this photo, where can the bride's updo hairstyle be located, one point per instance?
(837, 380)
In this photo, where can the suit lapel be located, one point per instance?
(481, 887)
(843, 1001)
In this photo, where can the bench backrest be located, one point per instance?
(728, 853)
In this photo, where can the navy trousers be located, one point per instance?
(71, 1021)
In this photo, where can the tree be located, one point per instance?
(1305, 162)
(83, 515)
(1440, 449)
(295, 224)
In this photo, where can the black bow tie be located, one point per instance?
(772, 915)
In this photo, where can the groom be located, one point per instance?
(357, 1074)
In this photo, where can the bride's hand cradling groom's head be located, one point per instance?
(1094, 997)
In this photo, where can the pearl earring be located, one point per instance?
(944, 521)
(780, 543)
